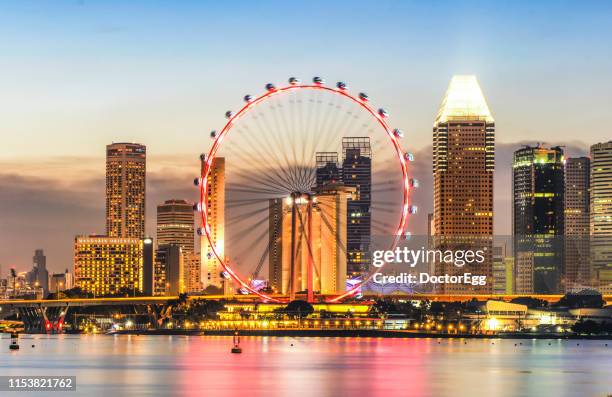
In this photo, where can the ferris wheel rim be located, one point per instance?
(251, 104)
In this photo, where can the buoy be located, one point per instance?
(14, 345)
(236, 348)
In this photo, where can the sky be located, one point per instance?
(77, 75)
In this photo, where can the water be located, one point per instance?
(197, 365)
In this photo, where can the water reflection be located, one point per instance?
(194, 366)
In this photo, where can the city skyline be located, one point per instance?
(542, 93)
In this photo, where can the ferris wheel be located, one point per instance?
(308, 173)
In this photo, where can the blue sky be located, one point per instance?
(76, 75)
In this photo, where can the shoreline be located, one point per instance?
(355, 334)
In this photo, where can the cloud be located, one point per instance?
(47, 211)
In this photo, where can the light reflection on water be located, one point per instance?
(194, 366)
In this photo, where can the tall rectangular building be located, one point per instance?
(463, 166)
(357, 173)
(215, 190)
(125, 190)
(110, 265)
(576, 240)
(175, 224)
(538, 218)
(169, 274)
(601, 216)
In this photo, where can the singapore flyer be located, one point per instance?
(297, 182)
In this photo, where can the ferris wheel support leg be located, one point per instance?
(310, 261)
(292, 262)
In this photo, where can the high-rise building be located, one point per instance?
(175, 224)
(193, 273)
(319, 239)
(110, 265)
(463, 165)
(169, 270)
(327, 168)
(357, 173)
(215, 190)
(39, 275)
(576, 235)
(125, 190)
(538, 218)
(601, 216)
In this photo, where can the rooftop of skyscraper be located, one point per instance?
(463, 99)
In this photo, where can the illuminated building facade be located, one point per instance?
(320, 236)
(538, 217)
(125, 190)
(109, 265)
(211, 268)
(193, 273)
(576, 241)
(175, 224)
(463, 166)
(601, 216)
(169, 270)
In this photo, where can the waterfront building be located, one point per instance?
(319, 234)
(576, 236)
(110, 265)
(503, 270)
(463, 166)
(601, 216)
(538, 218)
(169, 270)
(125, 190)
(215, 190)
(193, 281)
(60, 282)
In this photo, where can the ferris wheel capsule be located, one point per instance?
(397, 132)
(294, 81)
(414, 182)
(413, 209)
(244, 291)
(225, 275)
(229, 114)
(364, 97)
(383, 113)
(318, 80)
(202, 156)
(213, 134)
(341, 85)
(200, 231)
(270, 87)
(248, 98)
(196, 181)
(409, 156)
(197, 207)
(407, 235)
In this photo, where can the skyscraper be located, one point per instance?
(601, 216)
(538, 218)
(169, 278)
(576, 235)
(39, 275)
(215, 188)
(463, 165)
(125, 190)
(357, 173)
(175, 224)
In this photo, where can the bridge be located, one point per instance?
(48, 315)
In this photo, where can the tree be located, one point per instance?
(299, 308)
(213, 290)
(584, 299)
(586, 327)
